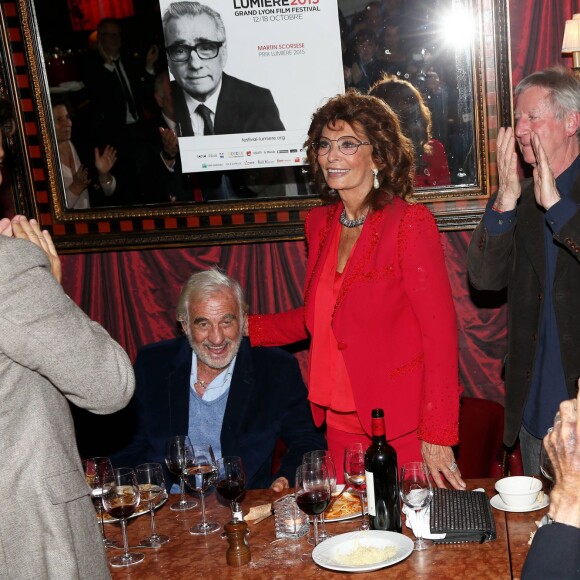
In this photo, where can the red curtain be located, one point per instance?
(86, 14)
(537, 30)
(133, 294)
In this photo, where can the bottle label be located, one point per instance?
(378, 426)
(370, 493)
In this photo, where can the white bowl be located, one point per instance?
(519, 491)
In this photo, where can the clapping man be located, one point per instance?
(529, 241)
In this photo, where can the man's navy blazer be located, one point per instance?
(241, 108)
(267, 400)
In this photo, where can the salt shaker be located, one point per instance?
(238, 553)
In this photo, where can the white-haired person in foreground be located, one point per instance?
(555, 550)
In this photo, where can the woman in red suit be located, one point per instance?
(377, 303)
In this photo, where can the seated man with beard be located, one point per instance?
(213, 386)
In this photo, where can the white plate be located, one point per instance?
(498, 504)
(326, 552)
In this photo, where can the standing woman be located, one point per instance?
(377, 302)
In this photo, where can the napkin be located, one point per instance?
(419, 521)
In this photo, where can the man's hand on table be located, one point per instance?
(280, 484)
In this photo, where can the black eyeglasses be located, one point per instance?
(205, 51)
(347, 145)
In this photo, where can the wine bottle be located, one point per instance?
(382, 477)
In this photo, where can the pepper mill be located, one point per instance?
(238, 553)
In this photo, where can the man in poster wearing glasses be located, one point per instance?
(208, 101)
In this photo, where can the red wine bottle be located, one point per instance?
(382, 477)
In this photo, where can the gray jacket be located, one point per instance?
(50, 352)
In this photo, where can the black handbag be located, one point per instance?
(463, 516)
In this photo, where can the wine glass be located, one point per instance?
(326, 459)
(151, 486)
(314, 495)
(546, 467)
(120, 499)
(416, 493)
(354, 474)
(178, 455)
(231, 480)
(199, 475)
(94, 469)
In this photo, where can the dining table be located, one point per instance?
(189, 556)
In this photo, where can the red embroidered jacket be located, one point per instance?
(394, 320)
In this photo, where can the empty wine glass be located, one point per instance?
(178, 455)
(199, 475)
(324, 457)
(416, 493)
(120, 499)
(231, 480)
(354, 474)
(95, 468)
(151, 486)
(314, 495)
(546, 467)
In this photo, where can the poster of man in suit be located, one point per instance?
(246, 76)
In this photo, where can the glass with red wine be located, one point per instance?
(120, 500)
(313, 496)
(231, 480)
(95, 469)
(354, 474)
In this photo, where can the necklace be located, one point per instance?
(351, 223)
(200, 390)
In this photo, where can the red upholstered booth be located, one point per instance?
(480, 452)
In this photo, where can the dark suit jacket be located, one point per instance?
(241, 108)
(516, 259)
(554, 554)
(109, 105)
(267, 401)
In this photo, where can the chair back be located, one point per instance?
(480, 452)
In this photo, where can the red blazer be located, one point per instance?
(394, 320)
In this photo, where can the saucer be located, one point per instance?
(498, 504)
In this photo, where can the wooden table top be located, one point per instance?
(188, 556)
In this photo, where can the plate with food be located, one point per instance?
(362, 551)
(142, 508)
(344, 507)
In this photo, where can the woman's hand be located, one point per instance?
(30, 230)
(440, 460)
(280, 484)
(80, 181)
(104, 162)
